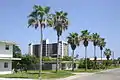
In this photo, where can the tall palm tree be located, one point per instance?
(38, 19)
(107, 53)
(73, 40)
(101, 44)
(59, 22)
(95, 40)
(85, 37)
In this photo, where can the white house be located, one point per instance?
(6, 57)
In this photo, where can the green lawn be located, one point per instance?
(83, 70)
(113, 66)
(45, 74)
(48, 73)
(34, 74)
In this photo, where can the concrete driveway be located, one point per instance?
(105, 75)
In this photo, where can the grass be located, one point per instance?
(34, 74)
(113, 67)
(47, 74)
(83, 70)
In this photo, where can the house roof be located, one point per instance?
(8, 42)
(9, 58)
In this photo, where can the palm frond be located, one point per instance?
(47, 9)
(95, 39)
(101, 42)
(73, 39)
(107, 52)
(39, 15)
(60, 22)
(33, 15)
(31, 22)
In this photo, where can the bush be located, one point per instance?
(107, 63)
(82, 63)
(102, 66)
(67, 58)
(48, 59)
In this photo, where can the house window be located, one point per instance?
(5, 65)
(7, 47)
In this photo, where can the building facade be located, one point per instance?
(6, 57)
(49, 49)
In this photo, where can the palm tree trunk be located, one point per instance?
(94, 52)
(57, 60)
(95, 57)
(73, 61)
(107, 62)
(85, 58)
(101, 55)
(41, 45)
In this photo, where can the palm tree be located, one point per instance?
(95, 39)
(101, 44)
(59, 22)
(107, 53)
(38, 19)
(85, 37)
(73, 40)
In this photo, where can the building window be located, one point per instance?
(7, 47)
(5, 65)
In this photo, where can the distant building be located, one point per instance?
(98, 59)
(49, 49)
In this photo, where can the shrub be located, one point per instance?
(82, 63)
(48, 59)
(67, 58)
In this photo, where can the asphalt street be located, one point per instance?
(108, 75)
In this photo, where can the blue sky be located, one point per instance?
(102, 16)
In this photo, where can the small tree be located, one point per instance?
(16, 51)
(16, 54)
(118, 59)
(27, 61)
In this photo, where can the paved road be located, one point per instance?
(109, 75)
